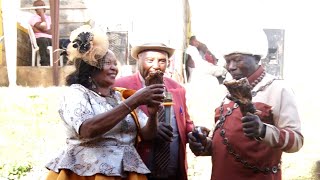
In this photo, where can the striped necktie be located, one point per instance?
(161, 151)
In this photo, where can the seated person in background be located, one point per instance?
(197, 65)
(41, 25)
(63, 44)
(206, 54)
(192, 54)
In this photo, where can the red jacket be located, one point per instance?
(185, 125)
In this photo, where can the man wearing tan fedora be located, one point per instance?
(152, 57)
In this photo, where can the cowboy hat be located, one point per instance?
(135, 51)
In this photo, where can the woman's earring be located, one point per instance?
(93, 85)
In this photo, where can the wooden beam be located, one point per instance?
(1, 32)
(35, 7)
(48, 7)
(54, 13)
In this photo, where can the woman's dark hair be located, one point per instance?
(81, 74)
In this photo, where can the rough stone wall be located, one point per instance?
(24, 52)
(35, 76)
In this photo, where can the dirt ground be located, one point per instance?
(31, 130)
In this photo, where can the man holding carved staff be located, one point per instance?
(152, 59)
(257, 120)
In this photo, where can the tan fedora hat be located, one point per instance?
(135, 51)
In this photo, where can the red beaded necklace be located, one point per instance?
(259, 79)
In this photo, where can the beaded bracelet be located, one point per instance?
(127, 106)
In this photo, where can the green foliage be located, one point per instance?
(14, 171)
(30, 131)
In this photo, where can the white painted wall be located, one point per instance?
(145, 20)
(298, 18)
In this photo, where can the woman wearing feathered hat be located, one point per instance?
(101, 122)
